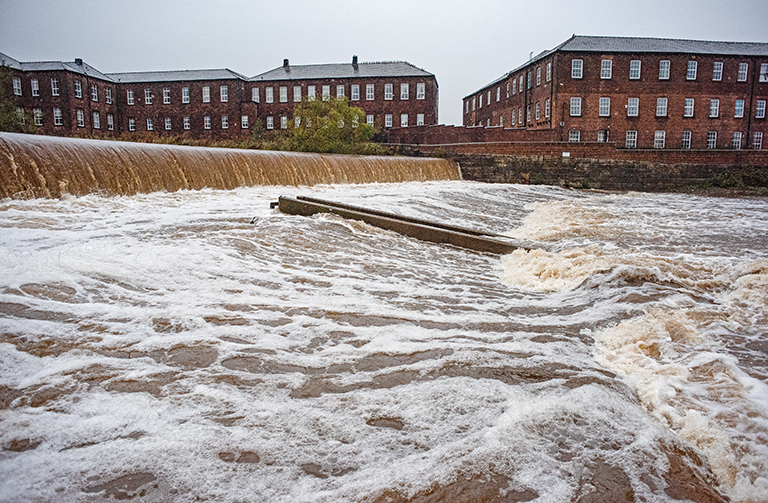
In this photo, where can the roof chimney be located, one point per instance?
(354, 60)
(285, 63)
(78, 62)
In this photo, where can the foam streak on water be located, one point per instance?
(170, 346)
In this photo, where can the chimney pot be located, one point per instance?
(285, 63)
(354, 60)
(78, 62)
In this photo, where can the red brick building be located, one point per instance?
(71, 99)
(635, 92)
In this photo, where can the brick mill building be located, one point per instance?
(75, 99)
(635, 92)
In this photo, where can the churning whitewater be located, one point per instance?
(200, 346)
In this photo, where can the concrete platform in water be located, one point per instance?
(408, 226)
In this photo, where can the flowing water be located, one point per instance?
(199, 346)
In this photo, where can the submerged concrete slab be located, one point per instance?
(408, 226)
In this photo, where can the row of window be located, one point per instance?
(477, 101)
(633, 107)
(35, 89)
(405, 92)
(149, 97)
(660, 139)
(606, 70)
(58, 118)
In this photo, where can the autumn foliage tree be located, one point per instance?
(12, 118)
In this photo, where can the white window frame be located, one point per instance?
(537, 112)
(224, 94)
(602, 136)
(738, 109)
(528, 113)
(664, 69)
(16, 86)
(605, 107)
(659, 139)
(421, 91)
(78, 89)
(717, 71)
(763, 72)
(546, 109)
(388, 92)
(147, 96)
(206, 94)
(574, 136)
(283, 122)
(207, 122)
(185, 95)
(693, 66)
(688, 109)
(54, 87)
(326, 93)
(340, 91)
(760, 109)
(757, 140)
(549, 71)
(96, 120)
(167, 96)
(635, 67)
(255, 95)
(736, 140)
(224, 122)
(714, 108)
(94, 93)
(577, 68)
(110, 122)
(575, 110)
(685, 142)
(37, 113)
(354, 92)
(405, 91)
(167, 123)
(370, 90)
(369, 119)
(633, 107)
(743, 69)
(57, 117)
(403, 120)
(269, 94)
(514, 87)
(311, 93)
(711, 139)
(283, 94)
(150, 124)
(419, 119)
(35, 84)
(131, 124)
(187, 123)
(538, 76)
(507, 89)
(388, 120)
(80, 118)
(606, 69)
(108, 95)
(498, 94)
(129, 97)
(661, 107)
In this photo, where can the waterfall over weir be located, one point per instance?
(42, 166)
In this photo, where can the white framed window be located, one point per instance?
(664, 69)
(131, 124)
(150, 124)
(296, 94)
(633, 107)
(16, 86)
(712, 139)
(283, 122)
(404, 91)
(574, 135)
(602, 136)
(421, 91)
(514, 87)
(270, 122)
(757, 140)
(528, 82)
(388, 120)
(167, 123)
(403, 120)
(736, 140)
(255, 95)
(549, 71)
(760, 109)
(763, 72)
(738, 109)
(419, 119)
(269, 94)
(606, 69)
(661, 107)
(512, 118)
(577, 68)
(631, 139)
(691, 73)
(108, 95)
(224, 94)
(605, 107)
(340, 91)
(634, 69)
(310, 93)
(94, 93)
(688, 110)
(96, 120)
(659, 139)
(207, 122)
(54, 87)
(147, 96)
(717, 71)
(498, 94)
(575, 107)
(743, 67)
(110, 122)
(473, 103)
(538, 76)
(57, 118)
(520, 115)
(528, 113)
(297, 122)
(129, 96)
(354, 92)
(283, 94)
(507, 89)
(369, 119)
(35, 87)
(686, 142)
(481, 101)
(521, 84)
(20, 115)
(187, 123)
(326, 93)
(714, 108)
(37, 113)
(388, 93)
(167, 96)
(78, 89)
(537, 111)
(184, 95)
(224, 122)
(80, 118)
(501, 120)
(369, 89)
(546, 109)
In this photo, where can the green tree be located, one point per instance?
(329, 126)
(12, 118)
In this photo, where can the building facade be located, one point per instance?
(75, 99)
(635, 92)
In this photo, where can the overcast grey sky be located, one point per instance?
(466, 44)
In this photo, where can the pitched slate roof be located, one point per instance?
(176, 76)
(665, 45)
(343, 70)
(77, 66)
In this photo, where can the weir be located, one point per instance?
(33, 166)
